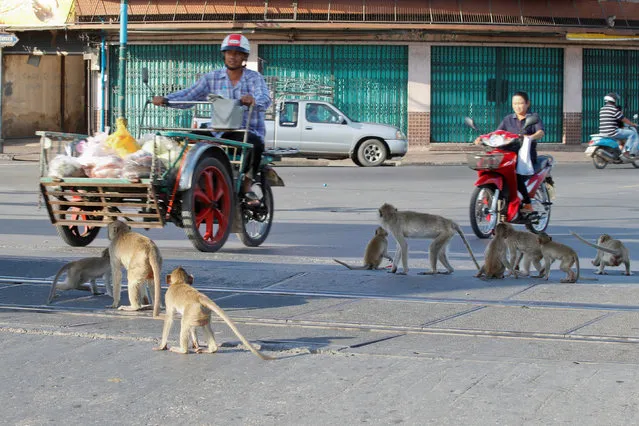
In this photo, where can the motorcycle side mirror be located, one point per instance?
(530, 120)
(470, 123)
(145, 75)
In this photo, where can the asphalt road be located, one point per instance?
(354, 346)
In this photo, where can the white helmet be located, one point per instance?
(611, 97)
(236, 42)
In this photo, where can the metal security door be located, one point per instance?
(171, 68)
(368, 83)
(479, 82)
(607, 71)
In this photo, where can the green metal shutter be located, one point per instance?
(171, 68)
(479, 82)
(369, 83)
(605, 71)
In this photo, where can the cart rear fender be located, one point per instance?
(198, 151)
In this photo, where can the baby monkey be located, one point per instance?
(376, 251)
(84, 270)
(195, 309)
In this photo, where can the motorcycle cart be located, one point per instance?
(198, 190)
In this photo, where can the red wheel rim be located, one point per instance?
(211, 205)
(78, 231)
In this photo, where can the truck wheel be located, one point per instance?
(208, 206)
(257, 220)
(76, 235)
(371, 153)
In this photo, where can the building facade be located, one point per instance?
(422, 66)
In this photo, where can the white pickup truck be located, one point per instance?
(318, 129)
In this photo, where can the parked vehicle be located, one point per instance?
(318, 129)
(496, 198)
(605, 150)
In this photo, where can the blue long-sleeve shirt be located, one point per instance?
(218, 82)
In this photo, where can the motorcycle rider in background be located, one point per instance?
(513, 123)
(611, 120)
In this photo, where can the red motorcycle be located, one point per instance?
(496, 198)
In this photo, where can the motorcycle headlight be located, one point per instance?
(400, 135)
(496, 140)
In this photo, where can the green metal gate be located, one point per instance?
(607, 71)
(368, 83)
(479, 82)
(171, 68)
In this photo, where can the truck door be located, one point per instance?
(322, 131)
(287, 126)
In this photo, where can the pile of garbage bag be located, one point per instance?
(117, 155)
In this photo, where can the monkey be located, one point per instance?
(496, 256)
(195, 309)
(409, 224)
(611, 252)
(83, 270)
(142, 260)
(552, 251)
(522, 246)
(376, 251)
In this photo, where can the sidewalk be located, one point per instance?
(28, 149)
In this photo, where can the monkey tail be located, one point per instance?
(215, 308)
(470, 251)
(598, 247)
(351, 267)
(156, 265)
(55, 282)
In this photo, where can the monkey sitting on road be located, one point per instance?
(141, 258)
(496, 256)
(84, 270)
(610, 252)
(409, 224)
(195, 309)
(376, 251)
(523, 246)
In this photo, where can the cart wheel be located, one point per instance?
(257, 219)
(207, 207)
(76, 235)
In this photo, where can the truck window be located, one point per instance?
(320, 113)
(288, 114)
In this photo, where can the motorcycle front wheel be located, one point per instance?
(597, 161)
(482, 220)
(541, 204)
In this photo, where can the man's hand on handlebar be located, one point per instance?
(160, 101)
(247, 100)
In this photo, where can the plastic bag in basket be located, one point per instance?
(121, 140)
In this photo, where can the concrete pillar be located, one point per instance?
(419, 94)
(573, 88)
(252, 59)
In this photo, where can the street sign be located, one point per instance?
(8, 39)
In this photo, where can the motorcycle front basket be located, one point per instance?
(478, 161)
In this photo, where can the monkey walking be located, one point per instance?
(195, 309)
(376, 251)
(496, 256)
(141, 258)
(610, 252)
(409, 224)
(552, 251)
(81, 271)
(522, 246)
